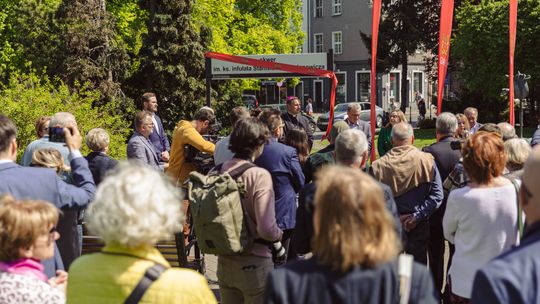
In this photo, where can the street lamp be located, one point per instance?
(521, 91)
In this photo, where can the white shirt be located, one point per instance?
(482, 223)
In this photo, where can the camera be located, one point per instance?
(56, 134)
(279, 254)
(456, 144)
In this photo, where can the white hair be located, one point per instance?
(518, 150)
(446, 123)
(134, 206)
(350, 145)
(62, 119)
(353, 107)
(402, 131)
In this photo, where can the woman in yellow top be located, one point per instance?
(133, 209)
(384, 143)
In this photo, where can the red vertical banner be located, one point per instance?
(375, 19)
(445, 31)
(512, 46)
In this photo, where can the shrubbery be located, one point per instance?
(25, 98)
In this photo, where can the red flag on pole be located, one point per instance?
(375, 19)
(512, 46)
(445, 31)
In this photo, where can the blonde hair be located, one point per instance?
(97, 139)
(517, 150)
(21, 223)
(49, 158)
(352, 224)
(399, 114)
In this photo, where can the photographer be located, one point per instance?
(189, 133)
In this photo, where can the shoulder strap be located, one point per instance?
(519, 215)
(150, 275)
(405, 265)
(235, 173)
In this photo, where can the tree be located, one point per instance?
(88, 49)
(480, 47)
(406, 26)
(172, 59)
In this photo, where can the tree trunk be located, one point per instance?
(404, 87)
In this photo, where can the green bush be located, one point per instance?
(427, 123)
(26, 98)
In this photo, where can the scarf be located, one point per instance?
(404, 168)
(26, 267)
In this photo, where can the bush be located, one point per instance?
(427, 123)
(26, 98)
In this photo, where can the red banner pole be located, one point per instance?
(375, 19)
(445, 31)
(512, 46)
(288, 68)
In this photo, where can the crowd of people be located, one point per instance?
(322, 227)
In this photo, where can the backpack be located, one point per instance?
(217, 211)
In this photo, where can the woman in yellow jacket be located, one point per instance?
(133, 209)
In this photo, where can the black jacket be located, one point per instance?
(99, 163)
(299, 121)
(309, 282)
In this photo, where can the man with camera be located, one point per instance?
(190, 133)
(38, 183)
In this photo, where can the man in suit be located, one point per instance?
(472, 117)
(44, 184)
(354, 122)
(139, 146)
(445, 159)
(287, 177)
(158, 137)
(294, 119)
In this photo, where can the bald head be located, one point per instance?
(402, 134)
(530, 192)
(508, 131)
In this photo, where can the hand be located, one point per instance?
(408, 221)
(59, 281)
(73, 137)
(165, 156)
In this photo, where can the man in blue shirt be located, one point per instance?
(514, 277)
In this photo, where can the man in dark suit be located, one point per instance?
(287, 177)
(139, 146)
(445, 159)
(354, 122)
(158, 137)
(44, 184)
(99, 162)
(294, 119)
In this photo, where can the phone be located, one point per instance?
(56, 134)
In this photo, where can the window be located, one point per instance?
(341, 90)
(318, 8)
(336, 42)
(319, 47)
(336, 7)
(363, 85)
(418, 82)
(395, 84)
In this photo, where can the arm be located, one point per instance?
(308, 132)
(450, 219)
(296, 171)
(392, 207)
(368, 136)
(486, 291)
(433, 199)
(82, 191)
(164, 139)
(380, 142)
(137, 150)
(535, 138)
(264, 208)
(198, 142)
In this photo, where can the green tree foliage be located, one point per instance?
(89, 51)
(25, 98)
(480, 47)
(172, 60)
(406, 26)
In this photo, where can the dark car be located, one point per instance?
(283, 108)
(340, 113)
(250, 101)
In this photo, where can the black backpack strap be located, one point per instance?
(150, 275)
(237, 172)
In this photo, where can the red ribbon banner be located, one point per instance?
(512, 46)
(375, 19)
(288, 68)
(445, 31)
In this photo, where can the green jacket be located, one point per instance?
(384, 143)
(110, 276)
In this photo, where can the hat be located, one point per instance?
(337, 128)
(531, 173)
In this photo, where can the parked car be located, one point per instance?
(283, 108)
(340, 113)
(250, 101)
